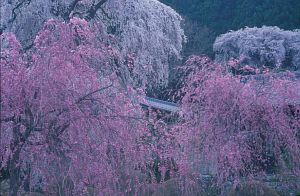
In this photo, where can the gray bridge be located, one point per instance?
(173, 107)
(162, 105)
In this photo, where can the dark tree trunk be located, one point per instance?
(14, 171)
(14, 165)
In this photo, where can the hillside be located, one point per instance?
(211, 18)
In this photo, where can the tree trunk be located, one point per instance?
(14, 171)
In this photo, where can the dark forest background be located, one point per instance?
(206, 19)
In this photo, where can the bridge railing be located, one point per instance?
(160, 104)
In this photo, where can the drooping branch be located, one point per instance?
(93, 10)
(70, 9)
(63, 108)
(14, 14)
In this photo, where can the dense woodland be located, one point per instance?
(76, 77)
(212, 18)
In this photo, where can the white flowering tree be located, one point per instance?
(151, 32)
(267, 46)
(147, 32)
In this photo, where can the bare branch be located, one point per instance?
(91, 93)
(14, 14)
(8, 119)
